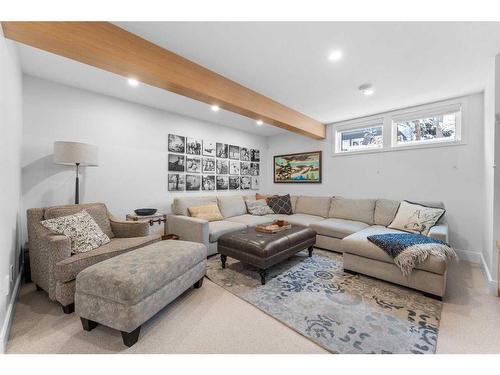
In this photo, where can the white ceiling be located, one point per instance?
(408, 64)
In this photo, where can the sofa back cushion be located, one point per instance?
(385, 211)
(232, 205)
(180, 205)
(98, 211)
(317, 206)
(353, 209)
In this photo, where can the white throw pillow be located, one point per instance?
(258, 207)
(416, 218)
(81, 228)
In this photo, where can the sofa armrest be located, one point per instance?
(439, 232)
(127, 229)
(189, 228)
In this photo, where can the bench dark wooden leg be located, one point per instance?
(88, 325)
(223, 259)
(310, 251)
(130, 338)
(38, 288)
(69, 309)
(199, 283)
(263, 274)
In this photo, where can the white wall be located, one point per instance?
(132, 142)
(10, 168)
(451, 174)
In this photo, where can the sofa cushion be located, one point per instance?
(293, 200)
(317, 206)
(280, 204)
(338, 228)
(232, 205)
(302, 219)
(358, 244)
(249, 220)
(385, 211)
(209, 212)
(67, 269)
(218, 228)
(180, 205)
(416, 218)
(98, 211)
(353, 209)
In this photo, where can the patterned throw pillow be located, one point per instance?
(280, 204)
(416, 218)
(81, 228)
(258, 207)
(209, 212)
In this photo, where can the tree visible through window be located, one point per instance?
(359, 139)
(428, 129)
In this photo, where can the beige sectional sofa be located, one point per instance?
(341, 224)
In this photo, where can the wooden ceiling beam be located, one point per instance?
(109, 47)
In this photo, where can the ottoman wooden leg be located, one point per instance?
(223, 259)
(199, 283)
(310, 251)
(130, 338)
(38, 288)
(88, 325)
(263, 274)
(69, 309)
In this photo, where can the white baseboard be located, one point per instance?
(492, 284)
(9, 316)
(469, 256)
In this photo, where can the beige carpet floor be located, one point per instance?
(212, 320)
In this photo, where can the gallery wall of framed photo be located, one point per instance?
(204, 165)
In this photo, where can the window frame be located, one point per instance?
(389, 120)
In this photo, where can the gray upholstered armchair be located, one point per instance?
(54, 268)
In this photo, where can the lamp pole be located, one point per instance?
(77, 185)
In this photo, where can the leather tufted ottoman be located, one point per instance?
(125, 291)
(264, 250)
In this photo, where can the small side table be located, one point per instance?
(134, 217)
(152, 219)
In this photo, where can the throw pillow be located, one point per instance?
(416, 218)
(261, 196)
(81, 228)
(209, 212)
(280, 204)
(258, 207)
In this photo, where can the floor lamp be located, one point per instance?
(78, 154)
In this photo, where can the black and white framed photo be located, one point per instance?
(175, 163)
(234, 152)
(234, 182)
(193, 146)
(245, 182)
(255, 183)
(254, 155)
(208, 182)
(244, 154)
(234, 167)
(245, 168)
(208, 165)
(193, 182)
(222, 150)
(208, 148)
(193, 164)
(222, 166)
(222, 182)
(254, 169)
(175, 182)
(176, 143)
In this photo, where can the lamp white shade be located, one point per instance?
(71, 153)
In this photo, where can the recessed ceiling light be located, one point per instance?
(133, 82)
(335, 55)
(260, 122)
(366, 89)
(215, 108)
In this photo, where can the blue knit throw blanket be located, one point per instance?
(408, 249)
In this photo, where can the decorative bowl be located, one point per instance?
(145, 211)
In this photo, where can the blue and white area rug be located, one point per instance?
(341, 312)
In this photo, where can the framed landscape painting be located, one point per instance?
(300, 168)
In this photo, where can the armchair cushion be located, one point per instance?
(67, 269)
(98, 211)
(81, 228)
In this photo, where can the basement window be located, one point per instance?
(360, 138)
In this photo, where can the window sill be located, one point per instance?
(399, 148)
